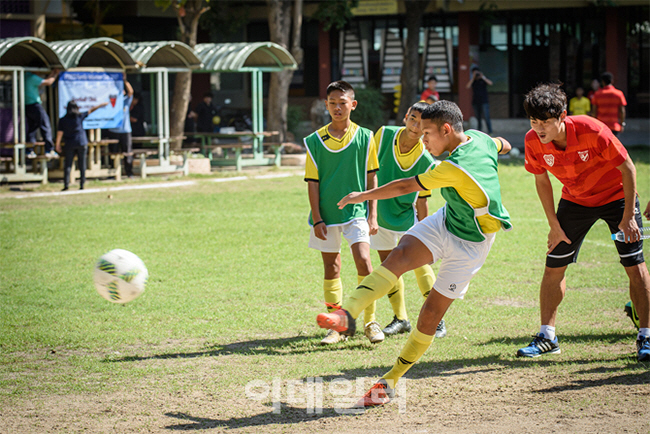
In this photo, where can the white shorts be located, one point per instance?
(354, 231)
(385, 239)
(461, 259)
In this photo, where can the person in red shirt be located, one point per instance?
(599, 182)
(430, 91)
(609, 104)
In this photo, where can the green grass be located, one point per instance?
(234, 290)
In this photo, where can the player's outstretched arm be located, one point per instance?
(386, 191)
(506, 146)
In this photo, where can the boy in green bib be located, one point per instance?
(341, 158)
(459, 235)
(402, 154)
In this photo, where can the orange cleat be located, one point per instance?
(340, 320)
(379, 394)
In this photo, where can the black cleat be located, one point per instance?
(397, 326)
(441, 330)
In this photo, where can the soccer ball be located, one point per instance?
(514, 152)
(120, 276)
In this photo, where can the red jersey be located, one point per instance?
(608, 100)
(427, 92)
(587, 168)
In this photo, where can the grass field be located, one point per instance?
(224, 339)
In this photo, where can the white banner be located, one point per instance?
(89, 89)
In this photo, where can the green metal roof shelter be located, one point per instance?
(159, 59)
(253, 57)
(18, 55)
(104, 53)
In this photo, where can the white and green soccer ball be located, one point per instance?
(120, 276)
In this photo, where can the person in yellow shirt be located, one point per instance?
(579, 104)
(341, 157)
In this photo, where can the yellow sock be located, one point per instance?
(372, 288)
(368, 312)
(425, 277)
(396, 298)
(333, 293)
(415, 346)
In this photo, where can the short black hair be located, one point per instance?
(341, 85)
(72, 109)
(607, 78)
(444, 112)
(545, 101)
(207, 94)
(432, 77)
(419, 107)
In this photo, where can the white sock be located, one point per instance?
(548, 332)
(644, 333)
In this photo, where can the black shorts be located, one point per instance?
(576, 220)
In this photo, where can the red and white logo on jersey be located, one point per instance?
(550, 159)
(584, 155)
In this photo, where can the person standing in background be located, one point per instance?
(35, 115)
(72, 132)
(579, 104)
(479, 83)
(137, 117)
(123, 133)
(609, 104)
(431, 92)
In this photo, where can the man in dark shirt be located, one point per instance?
(206, 111)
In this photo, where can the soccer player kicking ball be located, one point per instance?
(459, 235)
(402, 154)
(599, 182)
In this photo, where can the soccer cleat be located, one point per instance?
(540, 345)
(339, 320)
(643, 349)
(379, 394)
(333, 337)
(52, 154)
(441, 330)
(630, 310)
(373, 332)
(397, 326)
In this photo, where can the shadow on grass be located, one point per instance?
(618, 374)
(288, 415)
(276, 347)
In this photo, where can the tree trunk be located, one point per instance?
(188, 20)
(410, 77)
(280, 26)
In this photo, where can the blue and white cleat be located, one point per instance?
(643, 349)
(540, 345)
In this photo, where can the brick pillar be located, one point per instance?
(324, 62)
(616, 49)
(468, 34)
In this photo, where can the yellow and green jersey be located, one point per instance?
(468, 181)
(398, 213)
(340, 166)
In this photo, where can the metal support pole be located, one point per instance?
(258, 115)
(21, 96)
(15, 103)
(152, 98)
